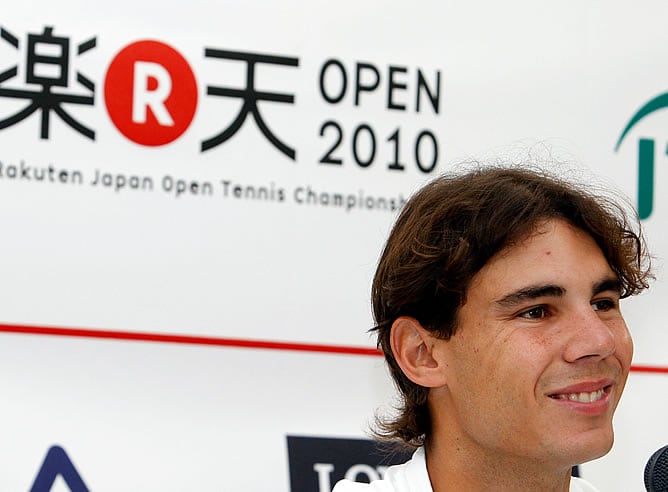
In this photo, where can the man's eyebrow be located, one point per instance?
(532, 292)
(609, 284)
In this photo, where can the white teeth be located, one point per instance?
(582, 397)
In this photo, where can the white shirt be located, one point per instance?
(412, 476)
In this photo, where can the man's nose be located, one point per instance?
(590, 337)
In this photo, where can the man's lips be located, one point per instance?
(585, 392)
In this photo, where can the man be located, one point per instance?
(496, 300)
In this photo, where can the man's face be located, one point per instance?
(541, 353)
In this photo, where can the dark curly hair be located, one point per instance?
(451, 228)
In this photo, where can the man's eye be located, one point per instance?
(604, 305)
(538, 312)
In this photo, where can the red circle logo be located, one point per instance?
(150, 93)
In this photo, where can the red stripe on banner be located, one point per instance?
(222, 342)
(654, 369)
(186, 339)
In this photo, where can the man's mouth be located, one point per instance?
(582, 397)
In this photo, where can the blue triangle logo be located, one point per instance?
(57, 463)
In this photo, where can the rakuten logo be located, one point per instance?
(151, 96)
(150, 93)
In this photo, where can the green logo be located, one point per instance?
(645, 156)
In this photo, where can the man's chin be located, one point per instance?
(591, 446)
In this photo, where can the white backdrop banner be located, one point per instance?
(194, 196)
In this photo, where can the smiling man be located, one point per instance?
(497, 308)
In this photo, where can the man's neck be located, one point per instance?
(453, 468)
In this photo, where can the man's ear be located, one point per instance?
(413, 349)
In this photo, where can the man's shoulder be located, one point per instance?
(375, 486)
(409, 477)
(580, 485)
(412, 476)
